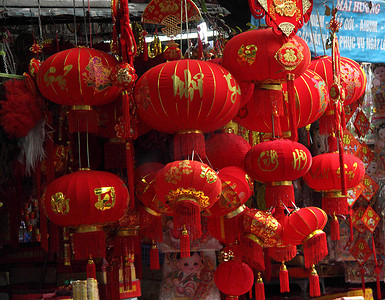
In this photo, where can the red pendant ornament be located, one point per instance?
(277, 163)
(233, 278)
(189, 187)
(188, 98)
(284, 17)
(79, 77)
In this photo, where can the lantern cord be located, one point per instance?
(187, 28)
(272, 125)
(75, 30)
(181, 29)
(85, 23)
(80, 159)
(89, 22)
(312, 37)
(39, 20)
(192, 155)
(320, 30)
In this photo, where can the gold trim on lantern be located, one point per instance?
(84, 169)
(187, 131)
(333, 194)
(280, 183)
(235, 212)
(88, 228)
(128, 232)
(271, 86)
(191, 195)
(254, 238)
(152, 212)
(314, 233)
(81, 107)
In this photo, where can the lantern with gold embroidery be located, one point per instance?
(85, 201)
(187, 98)
(79, 77)
(189, 187)
(277, 163)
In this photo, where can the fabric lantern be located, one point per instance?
(172, 51)
(187, 98)
(325, 176)
(304, 226)
(188, 187)
(78, 77)
(311, 96)
(233, 278)
(225, 149)
(277, 163)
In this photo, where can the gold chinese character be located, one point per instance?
(60, 204)
(106, 197)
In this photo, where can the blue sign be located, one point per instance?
(361, 36)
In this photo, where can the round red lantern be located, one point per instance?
(86, 200)
(311, 97)
(172, 51)
(305, 226)
(79, 77)
(234, 278)
(226, 149)
(188, 187)
(277, 163)
(187, 97)
(265, 57)
(325, 176)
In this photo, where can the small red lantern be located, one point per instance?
(189, 187)
(79, 77)
(234, 278)
(172, 51)
(226, 149)
(305, 226)
(277, 163)
(86, 200)
(325, 176)
(187, 97)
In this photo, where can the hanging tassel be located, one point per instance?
(130, 172)
(251, 293)
(91, 268)
(126, 274)
(315, 290)
(315, 248)
(292, 104)
(187, 141)
(335, 203)
(279, 191)
(88, 243)
(377, 269)
(332, 143)
(185, 243)
(350, 224)
(252, 251)
(284, 279)
(363, 279)
(285, 253)
(82, 119)
(187, 214)
(154, 257)
(259, 288)
(335, 229)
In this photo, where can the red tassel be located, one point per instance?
(315, 290)
(378, 288)
(350, 225)
(335, 229)
(259, 288)
(284, 279)
(332, 143)
(251, 293)
(126, 274)
(315, 248)
(126, 115)
(344, 190)
(89, 243)
(328, 122)
(335, 203)
(363, 279)
(130, 172)
(187, 214)
(154, 257)
(277, 192)
(292, 104)
(185, 142)
(91, 268)
(185, 243)
(283, 253)
(252, 248)
(82, 120)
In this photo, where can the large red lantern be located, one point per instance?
(325, 176)
(86, 200)
(234, 278)
(188, 187)
(78, 77)
(311, 96)
(304, 226)
(188, 98)
(277, 163)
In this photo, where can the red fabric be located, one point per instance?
(259, 289)
(88, 244)
(324, 174)
(81, 202)
(314, 286)
(276, 194)
(292, 107)
(335, 205)
(80, 120)
(281, 254)
(183, 95)
(312, 98)
(78, 76)
(284, 279)
(335, 229)
(315, 249)
(91, 269)
(234, 278)
(252, 251)
(185, 244)
(154, 257)
(186, 144)
(261, 63)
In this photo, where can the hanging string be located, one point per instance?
(39, 21)
(181, 29)
(89, 22)
(85, 23)
(88, 148)
(187, 28)
(75, 30)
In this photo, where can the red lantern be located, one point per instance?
(234, 278)
(79, 77)
(277, 163)
(189, 187)
(86, 200)
(312, 98)
(305, 226)
(325, 176)
(226, 149)
(264, 57)
(187, 97)
(172, 51)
